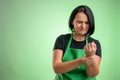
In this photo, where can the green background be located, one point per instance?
(29, 28)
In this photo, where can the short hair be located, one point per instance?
(85, 9)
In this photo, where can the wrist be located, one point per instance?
(82, 60)
(90, 55)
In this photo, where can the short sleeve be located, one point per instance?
(58, 43)
(98, 51)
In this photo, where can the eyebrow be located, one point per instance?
(80, 20)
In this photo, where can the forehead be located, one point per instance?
(81, 16)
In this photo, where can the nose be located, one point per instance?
(83, 25)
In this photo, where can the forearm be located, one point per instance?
(93, 69)
(62, 67)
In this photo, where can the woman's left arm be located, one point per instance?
(92, 60)
(93, 65)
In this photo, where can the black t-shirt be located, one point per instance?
(62, 42)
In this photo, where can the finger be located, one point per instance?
(86, 47)
(91, 60)
(94, 45)
(89, 46)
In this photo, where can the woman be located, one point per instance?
(76, 56)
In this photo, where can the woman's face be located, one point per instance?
(80, 23)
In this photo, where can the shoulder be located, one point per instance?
(61, 41)
(91, 39)
(63, 37)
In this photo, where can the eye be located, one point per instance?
(79, 22)
(87, 23)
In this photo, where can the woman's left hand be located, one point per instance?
(90, 49)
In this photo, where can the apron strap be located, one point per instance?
(86, 39)
(71, 40)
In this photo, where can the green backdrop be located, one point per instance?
(28, 29)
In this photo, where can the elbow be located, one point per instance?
(92, 75)
(56, 70)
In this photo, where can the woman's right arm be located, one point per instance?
(62, 67)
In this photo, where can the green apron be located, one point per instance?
(78, 73)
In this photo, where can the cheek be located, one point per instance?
(77, 25)
(87, 27)
(74, 24)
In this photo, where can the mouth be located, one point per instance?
(81, 29)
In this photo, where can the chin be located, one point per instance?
(82, 34)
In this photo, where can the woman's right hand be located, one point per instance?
(87, 60)
(90, 49)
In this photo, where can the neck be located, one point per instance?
(78, 37)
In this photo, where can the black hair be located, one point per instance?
(85, 9)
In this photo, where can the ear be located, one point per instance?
(73, 30)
